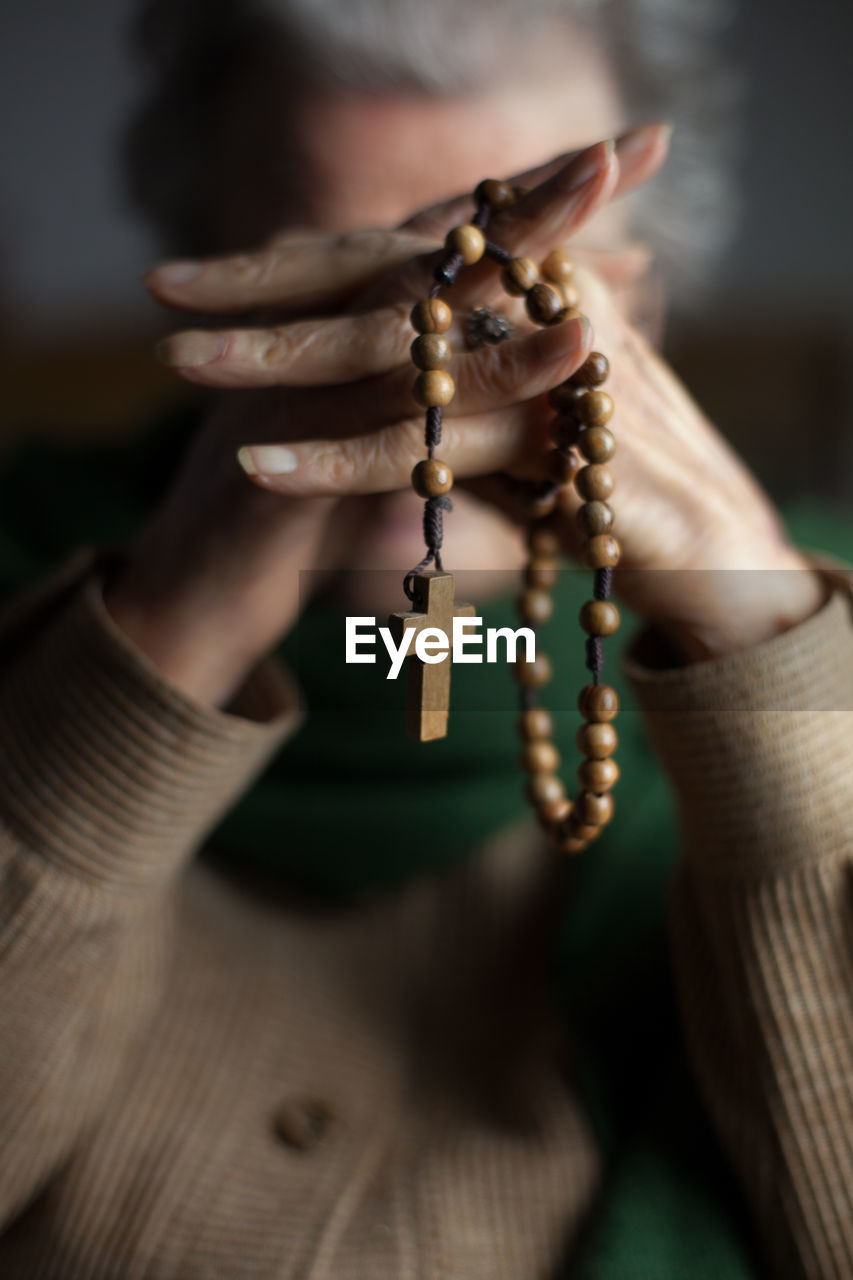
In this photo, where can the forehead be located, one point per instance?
(376, 159)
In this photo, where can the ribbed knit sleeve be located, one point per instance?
(759, 747)
(109, 779)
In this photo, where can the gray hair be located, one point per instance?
(667, 57)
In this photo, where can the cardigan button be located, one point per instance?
(302, 1123)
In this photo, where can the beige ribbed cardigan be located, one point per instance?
(173, 1045)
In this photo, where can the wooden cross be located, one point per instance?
(428, 701)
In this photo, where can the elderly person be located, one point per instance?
(204, 1073)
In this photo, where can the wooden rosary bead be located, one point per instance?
(519, 275)
(594, 408)
(570, 297)
(593, 371)
(542, 540)
(535, 607)
(572, 844)
(598, 776)
(598, 702)
(602, 552)
(544, 789)
(430, 351)
(468, 241)
(593, 809)
(431, 478)
(598, 741)
(599, 617)
(541, 757)
(558, 267)
(535, 674)
(535, 723)
(597, 444)
(595, 518)
(431, 316)
(565, 397)
(541, 572)
(562, 465)
(544, 305)
(542, 504)
(586, 831)
(595, 482)
(553, 814)
(496, 194)
(434, 387)
(565, 431)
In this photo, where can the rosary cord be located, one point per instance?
(434, 508)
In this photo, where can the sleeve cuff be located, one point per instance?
(759, 744)
(106, 769)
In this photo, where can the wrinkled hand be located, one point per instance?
(326, 410)
(212, 581)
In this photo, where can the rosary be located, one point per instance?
(579, 427)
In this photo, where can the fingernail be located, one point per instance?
(190, 350)
(267, 459)
(636, 140)
(176, 272)
(589, 163)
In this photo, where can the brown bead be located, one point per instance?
(571, 298)
(544, 304)
(602, 552)
(593, 371)
(540, 757)
(431, 478)
(430, 351)
(598, 702)
(468, 241)
(433, 387)
(494, 193)
(571, 844)
(597, 444)
(558, 267)
(595, 482)
(565, 431)
(519, 275)
(541, 572)
(599, 617)
(561, 465)
(520, 192)
(535, 723)
(553, 814)
(593, 809)
(543, 540)
(535, 606)
(544, 789)
(598, 741)
(598, 776)
(586, 831)
(542, 503)
(535, 674)
(565, 397)
(594, 518)
(431, 316)
(594, 408)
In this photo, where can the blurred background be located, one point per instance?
(767, 353)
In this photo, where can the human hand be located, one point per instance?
(212, 581)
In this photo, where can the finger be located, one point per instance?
(291, 272)
(306, 353)
(549, 214)
(640, 152)
(382, 461)
(500, 400)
